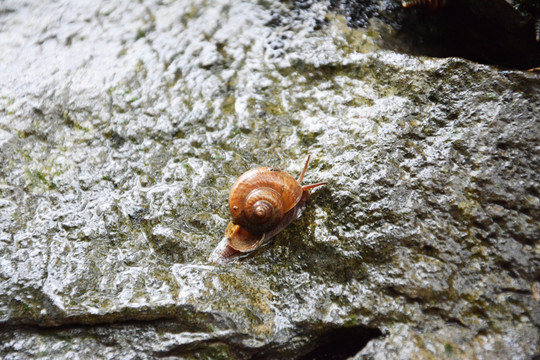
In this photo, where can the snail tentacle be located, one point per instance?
(430, 4)
(304, 171)
(313, 186)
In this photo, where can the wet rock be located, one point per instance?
(124, 124)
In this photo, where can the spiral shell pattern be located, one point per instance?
(261, 196)
(264, 206)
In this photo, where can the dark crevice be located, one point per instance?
(75, 326)
(485, 31)
(184, 317)
(496, 35)
(210, 349)
(516, 291)
(341, 343)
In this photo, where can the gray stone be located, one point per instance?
(123, 124)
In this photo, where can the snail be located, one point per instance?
(262, 202)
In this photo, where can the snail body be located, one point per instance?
(262, 202)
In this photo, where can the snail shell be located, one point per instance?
(260, 197)
(262, 202)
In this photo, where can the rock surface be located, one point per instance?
(123, 124)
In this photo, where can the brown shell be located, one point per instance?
(242, 240)
(280, 185)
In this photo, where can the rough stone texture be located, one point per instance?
(123, 124)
